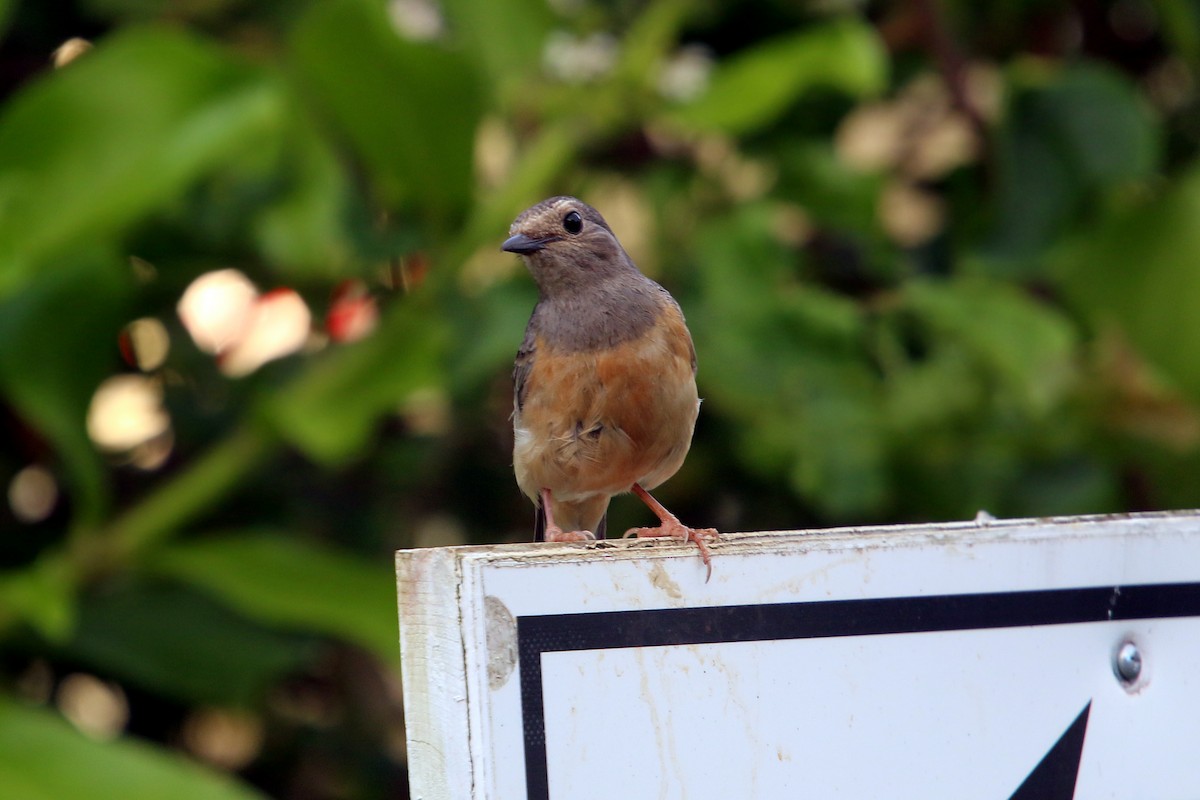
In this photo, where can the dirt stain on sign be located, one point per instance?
(659, 579)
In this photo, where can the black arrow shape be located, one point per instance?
(1055, 775)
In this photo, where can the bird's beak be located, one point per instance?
(524, 245)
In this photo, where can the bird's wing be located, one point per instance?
(522, 367)
(669, 302)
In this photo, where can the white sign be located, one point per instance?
(1047, 659)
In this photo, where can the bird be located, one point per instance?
(604, 383)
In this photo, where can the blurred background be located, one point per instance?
(256, 331)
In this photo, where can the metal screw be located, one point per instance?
(1128, 662)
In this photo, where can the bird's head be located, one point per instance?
(567, 245)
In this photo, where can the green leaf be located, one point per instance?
(409, 108)
(830, 191)
(1102, 125)
(840, 448)
(978, 379)
(1138, 272)
(44, 758)
(178, 642)
(505, 35)
(284, 581)
(58, 341)
(88, 150)
(789, 369)
(751, 89)
(649, 38)
(1181, 26)
(1025, 346)
(331, 411)
(304, 230)
(934, 393)
(1036, 197)
(1067, 137)
(487, 327)
(42, 595)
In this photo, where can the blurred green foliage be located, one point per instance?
(936, 258)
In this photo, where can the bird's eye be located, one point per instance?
(572, 222)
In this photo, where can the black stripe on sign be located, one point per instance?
(552, 633)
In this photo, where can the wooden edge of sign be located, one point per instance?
(433, 674)
(983, 528)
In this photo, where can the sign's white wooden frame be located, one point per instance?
(1012, 659)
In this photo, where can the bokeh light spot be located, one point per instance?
(279, 325)
(126, 411)
(97, 708)
(32, 494)
(228, 739)
(149, 343)
(216, 309)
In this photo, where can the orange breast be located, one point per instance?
(596, 422)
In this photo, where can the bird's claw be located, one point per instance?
(557, 534)
(677, 530)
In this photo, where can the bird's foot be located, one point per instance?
(554, 533)
(674, 528)
(557, 534)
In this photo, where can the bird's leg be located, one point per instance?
(555, 533)
(671, 526)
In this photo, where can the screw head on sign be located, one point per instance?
(1127, 663)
